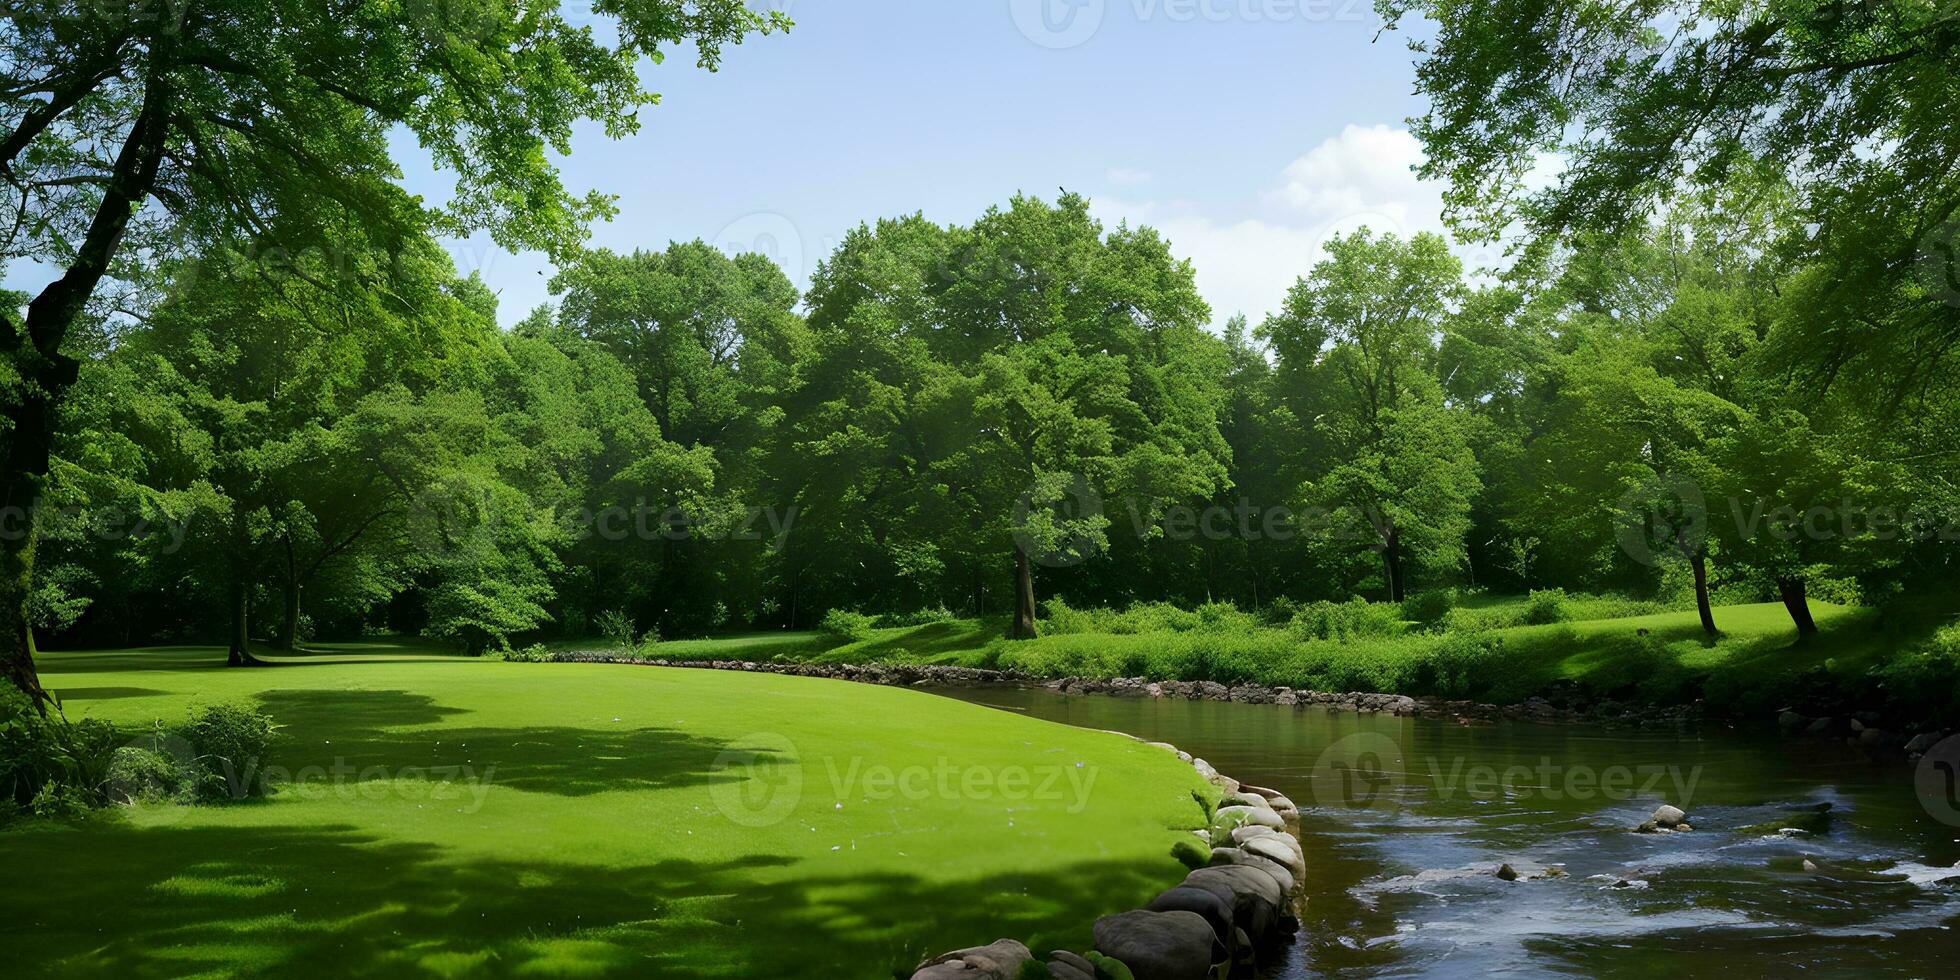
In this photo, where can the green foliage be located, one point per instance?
(142, 775)
(49, 765)
(1427, 608)
(1353, 619)
(615, 625)
(230, 743)
(1924, 682)
(918, 617)
(1546, 606)
(847, 626)
(536, 653)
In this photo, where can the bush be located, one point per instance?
(48, 765)
(617, 626)
(1544, 607)
(1348, 620)
(140, 775)
(922, 617)
(1429, 608)
(536, 653)
(230, 741)
(846, 626)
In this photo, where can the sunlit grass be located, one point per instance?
(454, 817)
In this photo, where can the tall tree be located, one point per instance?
(1358, 341)
(1018, 372)
(129, 124)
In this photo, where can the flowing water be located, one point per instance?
(1405, 822)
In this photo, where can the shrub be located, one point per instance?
(1457, 666)
(59, 801)
(1547, 606)
(1345, 620)
(1429, 608)
(230, 741)
(536, 653)
(921, 617)
(846, 626)
(49, 765)
(144, 775)
(617, 626)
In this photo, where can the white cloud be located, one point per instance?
(1364, 170)
(1363, 177)
(1126, 175)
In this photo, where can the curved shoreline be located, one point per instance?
(1899, 742)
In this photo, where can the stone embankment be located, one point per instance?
(1241, 901)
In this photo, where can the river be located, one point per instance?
(1405, 821)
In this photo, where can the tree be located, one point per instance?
(981, 389)
(1357, 340)
(1800, 504)
(713, 342)
(1847, 103)
(305, 405)
(127, 125)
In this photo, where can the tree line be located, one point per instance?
(967, 418)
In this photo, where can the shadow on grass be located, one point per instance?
(358, 730)
(329, 901)
(107, 693)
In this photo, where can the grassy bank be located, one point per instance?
(470, 817)
(1487, 651)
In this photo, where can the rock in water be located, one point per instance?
(1160, 945)
(1507, 872)
(1667, 815)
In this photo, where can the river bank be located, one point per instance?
(1877, 738)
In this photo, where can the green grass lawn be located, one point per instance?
(560, 819)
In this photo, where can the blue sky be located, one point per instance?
(1246, 130)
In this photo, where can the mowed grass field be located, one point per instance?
(444, 816)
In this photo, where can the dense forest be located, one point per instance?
(336, 442)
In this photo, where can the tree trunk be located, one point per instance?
(1797, 601)
(34, 352)
(979, 592)
(23, 471)
(240, 652)
(1700, 562)
(289, 626)
(1391, 565)
(1023, 628)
